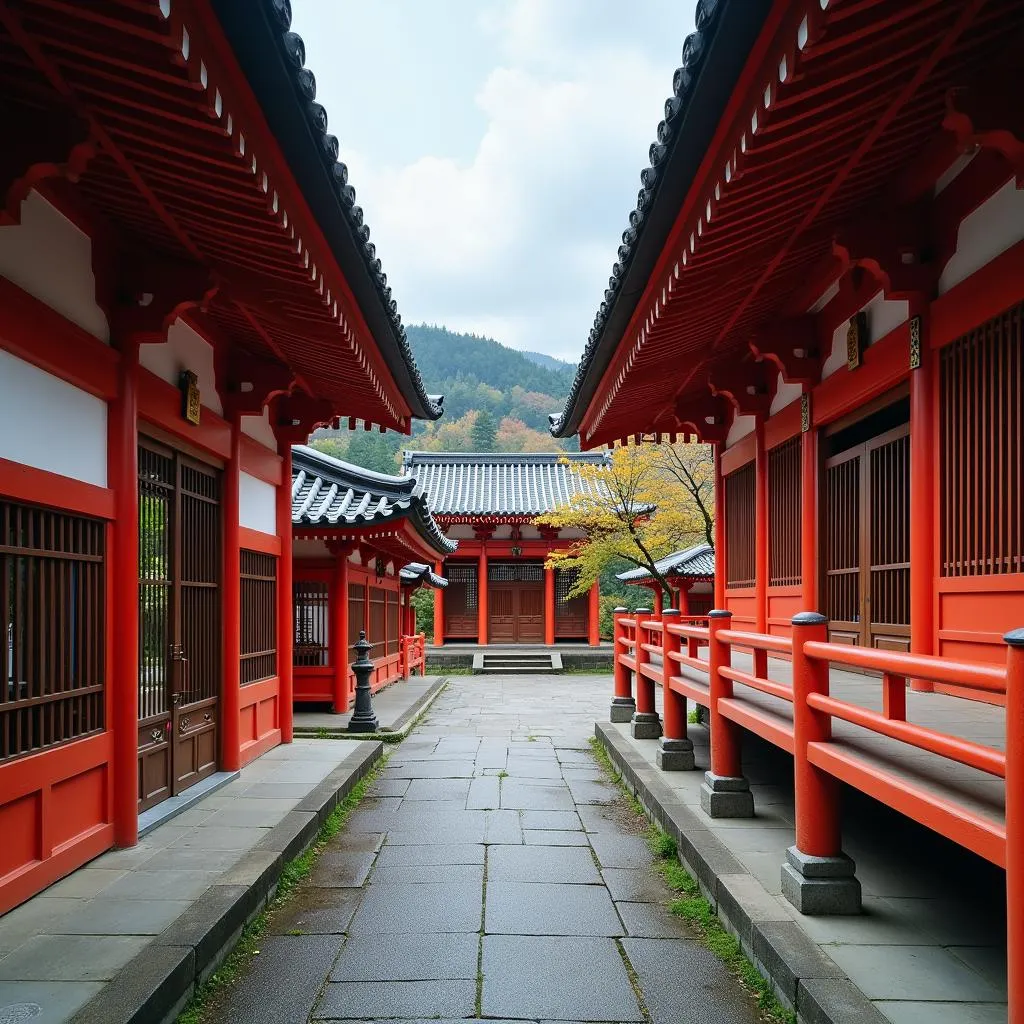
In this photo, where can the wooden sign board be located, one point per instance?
(190, 399)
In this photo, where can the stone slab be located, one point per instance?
(45, 1002)
(437, 854)
(372, 958)
(397, 1000)
(409, 907)
(555, 967)
(540, 864)
(537, 908)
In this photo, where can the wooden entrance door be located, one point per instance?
(866, 528)
(515, 603)
(179, 621)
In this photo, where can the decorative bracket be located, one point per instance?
(989, 116)
(295, 416)
(792, 346)
(708, 416)
(252, 383)
(748, 387)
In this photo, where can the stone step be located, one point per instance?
(509, 662)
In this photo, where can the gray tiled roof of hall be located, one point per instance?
(500, 483)
(698, 561)
(327, 492)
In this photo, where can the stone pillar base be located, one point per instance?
(725, 796)
(675, 755)
(820, 886)
(623, 709)
(645, 726)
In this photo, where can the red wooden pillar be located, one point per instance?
(675, 751)
(760, 531)
(657, 593)
(720, 541)
(684, 598)
(1014, 831)
(809, 514)
(646, 724)
(549, 605)
(817, 877)
(231, 696)
(285, 596)
(922, 498)
(122, 442)
(439, 608)
(594, 615)
(339, 631)
(623, 704)
(481, 590)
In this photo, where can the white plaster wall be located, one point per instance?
(49, 424)
(529, 533)
(884, 315)
(741, 426)
(184, 350)
(48, 257)
(459, 532)
(257, 504)
(995, 226)
(304, 548)
(259, 429)
(785, 394)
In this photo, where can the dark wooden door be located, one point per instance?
(866, 532)
(179, 621)
(515, 613)
(530, 618)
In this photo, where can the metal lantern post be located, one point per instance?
(363, 719)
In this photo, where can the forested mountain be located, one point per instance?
(496, 399)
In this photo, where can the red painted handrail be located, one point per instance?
(757, 641)
(769, 686)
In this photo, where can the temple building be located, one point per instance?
(824, 277)
(187, 289)
(357, 536)
(690, 575)
(499, 590)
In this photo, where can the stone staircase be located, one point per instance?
(516, 662)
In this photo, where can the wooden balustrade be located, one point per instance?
(800, 717)
(413, 649)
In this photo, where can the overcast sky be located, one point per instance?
(496, 147)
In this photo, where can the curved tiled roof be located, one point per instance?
(419, 572)
(698, 561)
(260, 33)
(327, 492)
(712, 59)
(499, 484)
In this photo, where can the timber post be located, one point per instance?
(817, 878)
(231, 652)
(725, 792)
(549, 605)
(720, 540)
(809, 516)
(439, 609)
(646, 725)
(675, 751)
(363, 717)
(761, 528)
(285, 597)
(1014, 818)
(339, 624)
(623, 704)
(594, 615)
(481, 594)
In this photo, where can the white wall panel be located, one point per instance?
(995, 226)
(257, 504)
(741, 426)
(48, 257)
(184, 350)
(884, 315)
(259, 429)
(785, 394)
(49, 424)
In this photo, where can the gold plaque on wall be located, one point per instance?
(189, 384)
(805, 412)
(856, 340)
(915, 343)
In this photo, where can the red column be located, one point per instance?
(725, 739)
(594, 615)
(644, 686)
(339, 632)
(439, 609)
(760, 531)
(231, 696)
(684, 599)
(720, 566)
(549, 605)
(809, 519)
(1015, 833)
(674, 704)
(623, 704)
(816, 792)
(922, 502)
(657, 592)
(122, 439)
(481, 594)
(285, 596)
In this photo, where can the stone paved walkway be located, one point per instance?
(491, 873)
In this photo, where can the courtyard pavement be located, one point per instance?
(492, 872)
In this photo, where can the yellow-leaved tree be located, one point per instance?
(652, 500)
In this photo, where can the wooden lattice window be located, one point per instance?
(356, 613)
(740, 521)
(515, 572)
(784, 514)
(465, 576)
(392, 623)
(565, 580)
(981, 406)
(311, 624)
(259, 616)
(378, 622)
(52, 611)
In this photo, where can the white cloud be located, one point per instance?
(517, 238)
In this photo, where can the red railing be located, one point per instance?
(800, 720)
(413, 649)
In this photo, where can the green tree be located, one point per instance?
(485, 432)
